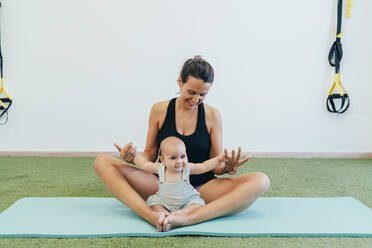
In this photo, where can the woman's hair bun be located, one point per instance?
(198, 68)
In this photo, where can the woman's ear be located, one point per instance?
(179, 81)
(161, 159)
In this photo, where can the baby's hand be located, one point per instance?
(128, 152)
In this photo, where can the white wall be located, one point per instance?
(85, 73)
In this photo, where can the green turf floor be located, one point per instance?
(48, 177)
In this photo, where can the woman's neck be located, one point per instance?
(180, 107)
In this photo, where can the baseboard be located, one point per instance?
(253, 154)
(311, 154)
(56, 154)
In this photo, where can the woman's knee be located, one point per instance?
(106, 164)
(262, 181)
(101, 162)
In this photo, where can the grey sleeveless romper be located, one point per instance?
(175, 196)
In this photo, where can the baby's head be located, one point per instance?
(173, 153)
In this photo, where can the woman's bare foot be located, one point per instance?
(173, 220)
(158, 219)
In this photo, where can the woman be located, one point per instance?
(199, 126)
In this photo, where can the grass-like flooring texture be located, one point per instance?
(52, 177)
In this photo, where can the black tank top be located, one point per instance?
(198, 144)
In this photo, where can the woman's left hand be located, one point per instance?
(128, 152)
(232, 162)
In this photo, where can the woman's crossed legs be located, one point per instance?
(130, 185)
(224, 196)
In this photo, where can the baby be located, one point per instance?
(175, 194)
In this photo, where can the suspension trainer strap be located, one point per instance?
(334, 58)
(5, 98)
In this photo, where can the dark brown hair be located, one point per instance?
(197, 68)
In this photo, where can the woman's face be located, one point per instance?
(193, 92)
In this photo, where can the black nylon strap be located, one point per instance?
(331, 103)
(335, 54)
(5, 100)
(334, 58)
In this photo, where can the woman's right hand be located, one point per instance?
(128, 152)
(232, 162)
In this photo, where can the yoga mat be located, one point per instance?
(82, 217)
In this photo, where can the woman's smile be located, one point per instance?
(190, 103)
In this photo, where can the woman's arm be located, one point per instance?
(150, 154)
(232, 161)
(157, 115)
(216, 138)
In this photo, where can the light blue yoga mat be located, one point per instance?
(80, 217)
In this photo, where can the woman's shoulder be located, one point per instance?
(160, 107)
(212, 117)
(211, 113)
(159, 112)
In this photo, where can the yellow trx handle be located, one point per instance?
(337, 84)
(2, 89)
(348, 8)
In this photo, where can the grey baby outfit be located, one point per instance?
(175, 196)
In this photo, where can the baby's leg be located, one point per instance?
(159, 208)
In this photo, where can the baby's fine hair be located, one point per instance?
(170, 139)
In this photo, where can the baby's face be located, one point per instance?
(175, 158)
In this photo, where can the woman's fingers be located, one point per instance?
(117, 147)
(132, 153)
(128, 152)
(233, 171)
(232, 162)
(244, 160)
(238, 155)
(127, 147)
